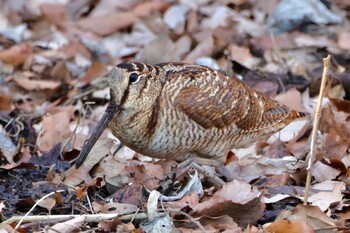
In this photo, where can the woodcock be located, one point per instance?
(174, 110)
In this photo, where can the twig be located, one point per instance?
(193, 220)
(90, 205)
(33, 207)
(315, 127)
(87, 217)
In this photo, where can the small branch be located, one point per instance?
(88, 217)
(33, 207)
(315, 127)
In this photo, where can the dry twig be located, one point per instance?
(315, 127)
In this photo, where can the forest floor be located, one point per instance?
(53, 64)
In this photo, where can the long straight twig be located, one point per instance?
(33, 207)
(315, 127)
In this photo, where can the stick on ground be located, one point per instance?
(315, 127)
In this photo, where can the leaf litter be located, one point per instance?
(53, 62)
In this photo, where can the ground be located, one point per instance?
(54, 57)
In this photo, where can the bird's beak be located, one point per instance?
(108, 115)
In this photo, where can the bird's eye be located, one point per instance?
(134, 78)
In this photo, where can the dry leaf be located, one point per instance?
(106, 25)
(17, 54)
(282, 226)
(343, 40)
(203, 49)
(323, 172)
(175, 17)
(28, 84)
(328, 197)
(54, 13)
(5, 103)
(67, 226)
(243, 56)
(48, 203)
(312, 215)
(236, 199)
(7, 149)
(55, 129)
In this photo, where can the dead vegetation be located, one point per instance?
(54, 56)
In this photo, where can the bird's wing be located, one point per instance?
(220, 106)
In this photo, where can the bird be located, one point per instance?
(175, 110)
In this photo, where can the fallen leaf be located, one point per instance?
(67, 226)
(163, 49)
(292, 99)
(17, 54)
(343, 40)
(54, 13)
(291, 132)
(282, 226)
(205, 48)
(55, 129)
(95, 70)
(24, 81)
(2, 206)
(218, 17)
(108, 24)
(236, 199)
(312, 215)
(344, 213)
(191, 200)
(48, 203)
(175, 17)
(7, 149)
(326, 198)
(5, 103)
(243, 56)
(323, 172)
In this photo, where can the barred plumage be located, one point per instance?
(172, 110)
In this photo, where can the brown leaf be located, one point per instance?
(344, 213)
(330, 194)
(341, 105)
(222, 224)
(147, 8)
(236, 199)
(106, 25)
(243, 56)
(5, 103)
(266, 87)
(312, 215)
(55, 129)
(205, 48)
(163, 49)
(282, 226)
(54, 13)
(343, 40)
(24, 81)
(48, 203)
(95, 70)
(67, 226)
(292, 99)
(17, 54)
(323, 172)
(61, 73)
(191, 200)
(7, 150)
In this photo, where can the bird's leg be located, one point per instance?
(207, 174)
(191, 162)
